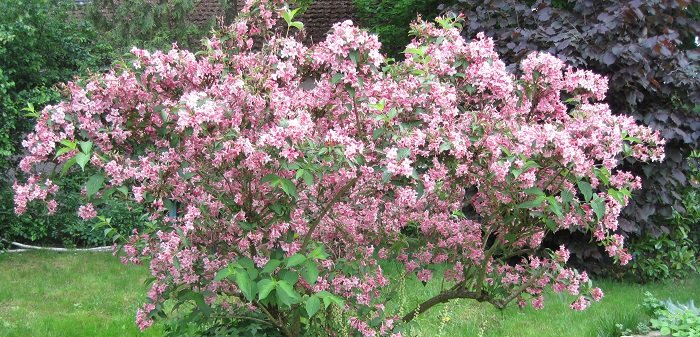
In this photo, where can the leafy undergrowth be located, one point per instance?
(48, 294)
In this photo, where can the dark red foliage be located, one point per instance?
(647, 49)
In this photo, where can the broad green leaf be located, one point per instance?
(63, 151)
(532, 203)
(246, 285)
(86, 147)
(289, 276)
(403, 153)
(295, 260)
(269, 178)
(69, 144)
(313, 304)
(224, 273)
(585, 189)
(598, 205)
(94, 184)
(566, 196)
(310, 272)
(289, 188)
(265, 287)
(286, 293)
(555, 206)
(246, 262)
(82, 159)
(297, 24)
(329, 299)
(354, 54)
(271, 266)
(319, 253)
(124, 190)
(69, 163)
(337, 78)
(534, 191)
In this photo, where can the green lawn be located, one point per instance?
(69, 295)
(93, 295)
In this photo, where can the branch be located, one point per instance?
(456, 292)
(343, 190)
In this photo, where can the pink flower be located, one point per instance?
(425, 275)
(87, 211)
(580, 304)
(597, 294)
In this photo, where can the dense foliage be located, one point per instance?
(64, 227)
(279, 178)
(40, 45)
(149, 24)
(673, 319)
(390, 20)
(648, 51)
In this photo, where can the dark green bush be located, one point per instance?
(151, 24)
(390, 20)
(65, 227)
(41, 44)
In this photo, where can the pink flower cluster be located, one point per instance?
(374, 162)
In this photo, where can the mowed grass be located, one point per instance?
(94, 295)
(621, 304)
(69, 295)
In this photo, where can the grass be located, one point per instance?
(69, 295)
(75, 295)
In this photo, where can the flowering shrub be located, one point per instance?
(280, 180)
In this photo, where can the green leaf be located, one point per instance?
(271, 266)
(445, 146)
(297, 24)
(319, 253)
(378, 133)
(94, 184)
(403, 153)
(286, 294)
(337, 78)
(295, 260)
(585, 189)
(270, 178)
(86, 147)
(246, 285)
(82, 159)
(354, 54)
(534, 191)
(310, 272)
(532, 203)
(63, 151)
(224, 273)
(246, 262)
(329, 299)
(69, 144)
(313, 304)
(603, 174)
(616, 195)
(598, 205)
(265, 287)
(567, 196)
(289, 188)
(69, 163)
(555, 206)
(289, 276)
(124, 190)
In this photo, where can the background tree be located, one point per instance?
(649, 52)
